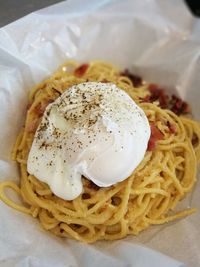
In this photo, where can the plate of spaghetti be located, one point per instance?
(101, 209)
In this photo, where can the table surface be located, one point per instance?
(11, 10)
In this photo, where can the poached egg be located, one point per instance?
(93, 129)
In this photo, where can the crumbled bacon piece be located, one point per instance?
(155, 136)
(92, 185)
(145, 99)
(195, 140)
(151, 144)
(174, 103)
(158, 94)
(81, 70)
(178, 106)
(154, 89)
(136, 80)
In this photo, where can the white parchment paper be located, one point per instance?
(157, 39)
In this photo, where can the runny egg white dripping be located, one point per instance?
(93, 129)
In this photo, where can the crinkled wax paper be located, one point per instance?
(159, 40)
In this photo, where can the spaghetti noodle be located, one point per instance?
(164, 177)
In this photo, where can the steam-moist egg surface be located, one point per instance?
(93, 129)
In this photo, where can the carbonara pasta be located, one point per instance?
(166, 174)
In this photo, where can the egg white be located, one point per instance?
(93, 129)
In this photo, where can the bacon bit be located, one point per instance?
(80, 71)
(173, 103)
(116, 201)
(40, 108)
(178, 106)
(155, 132)
(145, 99)
(195, 140)
(172, 127)
(151, 144)
(158, 94)
(85, 196)
(155, 136)
(32, 126)
(153, 88)
(92, 185)
(136, 80)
